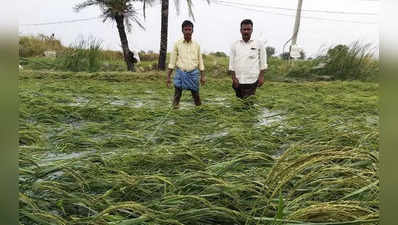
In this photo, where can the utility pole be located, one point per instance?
(296, 24)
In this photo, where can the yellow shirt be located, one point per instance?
(186, 56)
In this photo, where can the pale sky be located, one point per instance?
(216, 26)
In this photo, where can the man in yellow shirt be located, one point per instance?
(187, 60)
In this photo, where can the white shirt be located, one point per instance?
(247, 59)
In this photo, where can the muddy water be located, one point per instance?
(268, 117)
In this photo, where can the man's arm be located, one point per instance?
(202, 78)
(235, 81)
(172, 65)
(261, 78)
(263, 64)
(168, 81)
(201, 68)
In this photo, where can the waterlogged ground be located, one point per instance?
(106, 148)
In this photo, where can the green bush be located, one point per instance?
(84, 55)
(300, 70)
(148, 56)
(30, 46)
(112, 55)
(219, 54)
(38, 63)
(355, 62)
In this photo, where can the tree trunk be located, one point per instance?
(163, 35)
(125, 45)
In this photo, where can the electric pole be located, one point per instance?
(296, 24)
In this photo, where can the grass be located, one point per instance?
(106, 148)
(84, 55)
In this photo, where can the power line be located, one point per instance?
(304, 10)
(60, 22)
(305, 17)
(236, 5)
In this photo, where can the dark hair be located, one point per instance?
(187, 23)
(246, 21)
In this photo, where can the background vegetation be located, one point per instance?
(341, 62)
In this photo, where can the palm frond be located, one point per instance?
(144, 9)
(149, 2)
(135, 19)
(177, 5)
(110, 9)
(86, 4)
(127, 24)
(190, 7)
(190, 4)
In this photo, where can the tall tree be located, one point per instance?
(163, 34)
(164, 28)
(124, 14)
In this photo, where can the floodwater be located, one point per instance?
(268, 117)
(80, 101)
(53, 157)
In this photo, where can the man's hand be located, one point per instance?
(168, 82)
(260, 81)
(235, 82)
(202, 79)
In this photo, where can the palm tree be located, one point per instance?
(164, 26)
(124, 14)
(163, 34)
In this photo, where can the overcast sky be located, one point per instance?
(216, 24)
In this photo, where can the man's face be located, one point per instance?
(187, 31)
(246, 31)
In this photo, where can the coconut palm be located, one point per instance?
(124, 14)
(163, 34)
(164, 26)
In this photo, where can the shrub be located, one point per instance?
(218, 54)
(84, 55)
(285, 56)
(355, 62)
(112, 55)
(270, 51)
(149, 56)
(30, 46)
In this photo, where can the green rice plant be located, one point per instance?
(43, 217)
(354, 62)
(279, 214)
(344, 211)
(113, 152)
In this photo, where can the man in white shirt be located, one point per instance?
(247, 62)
